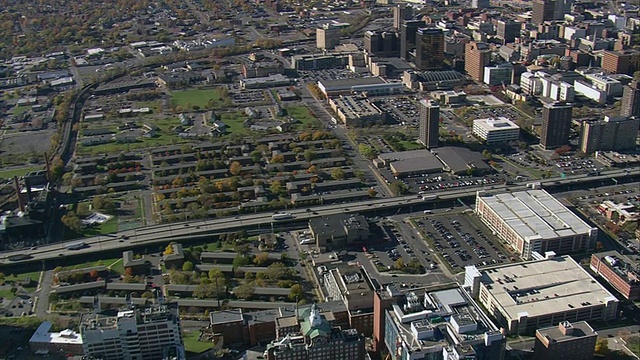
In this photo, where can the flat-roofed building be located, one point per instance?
(338, 231)
(496, 130)
(611, 133)
(575, 341)
(357, 111)
(327, 37)
(44, 341)
(534, 221)
(369, 85)
(412, 163)
(622, 273)
(462, 161)
(526, 296)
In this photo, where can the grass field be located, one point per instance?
(18, 171)
(410, 145)
(191, 343)
(188, 98)
(302, 114)
(234, 122)
(34, 275)
(116, 266)
(88, 264)
(20, 109)
(111, 226)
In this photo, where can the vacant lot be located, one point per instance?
(205, 99)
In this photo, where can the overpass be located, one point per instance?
(204, 229)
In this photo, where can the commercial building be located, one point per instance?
(408, 38)
(575, 341)
(631, 100)
(351, 285)
(480, 4)
(67, 341)
(356, 111)
(524, 297)
(432, 80)
(622, 273)
(338, 231)
(556, 125)
(429, 49)
(373, 85)
(496, 130)
(590, 91)
(320, 61)
(327, 37)
(429, 123)
(498, 75)
(621, 62)
(310, 334)
(462, 161)
(542, 11)
(534, 221)
(274, 80)
(401, 13)
(508, 30)
(134, 334)
(617, 133)
(404, 163)
(476, 56)
(442, 323)
(382, 43)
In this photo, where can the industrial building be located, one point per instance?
(496, 130)
(524, 297)
(462, 161)
(404, 163)
(622, 273)
(534, 221)
(338, 231)
(434, 324)
(575, 341)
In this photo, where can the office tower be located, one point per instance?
(327, 37)
(575, 341)
(631, 100)
(621, 62)
(562, 7)
(543, 10)
(612, 133)
(556, 125)
(480, 4)
(310, 334)
(401, 13)
(429, 49)
(134, 334)
(382, 43)
(429, 123)
(408, 37)
(476, 56)
(508, 30)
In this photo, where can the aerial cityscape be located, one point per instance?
(329, 180)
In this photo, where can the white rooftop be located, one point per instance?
(544, 287)
(499, 123)
(42, 335)
(536, 214)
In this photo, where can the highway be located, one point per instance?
(158, 234)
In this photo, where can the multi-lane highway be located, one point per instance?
(163, 233)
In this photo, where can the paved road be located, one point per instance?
(42, 305)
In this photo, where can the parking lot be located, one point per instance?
(459, 241)
(248, 96)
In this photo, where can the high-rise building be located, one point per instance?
(621, 62)
(508, 30)
(575, 341)
(617, 133)
(408, 37)
(542, 11)
(382, 43)
(429, 123)
(327, 37)
(310, 334)
(480, 4)
(556, 125)
(631, 100)
(134, 334)
(401, 13)
(477, 55)
(429, 49)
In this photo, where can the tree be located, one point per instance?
(310, 155)
(399, 264)
(241, 260)
(235, 168)
(244, 291)
(372, 192)
(367, 151)
(296, 292)
(169, 249)
(276, 187)
(277, 159)
(337, 174)
(104, 203)
(94, 274)
(261, 259)
(72, 221)
(602, 347)
(187, 266)
(276, 271)
(398, 188)
(256, 156)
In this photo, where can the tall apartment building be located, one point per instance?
(429, 123)
(508, 30)
(401, 13)
(408, 37)
(429, 49)
(621, 62)
(631, 100)
(134, 334)
(556, 125)
(327, 37)
(476, 56)
(542, 11)
(611, 133)
(575, 341)
(310, 335)
(382, 43)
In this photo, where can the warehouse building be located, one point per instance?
(524, 297)
(534, 221)
(414, 162)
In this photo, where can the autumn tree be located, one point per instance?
(235, 168)
(337, 174)
(261, 259)
(296, 292)
(244, 291)
(187, 266)
(72, 221)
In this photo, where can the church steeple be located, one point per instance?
(314, 317)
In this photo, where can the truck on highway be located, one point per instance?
(282, 216)
(429, 197)
(76, 246)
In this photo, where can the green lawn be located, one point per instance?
(88, 264)
(20, 109)
(117, 266)
(108, 227)
(302, 114)
(410, 145)
(634, 344)
(18, 171)
(234, 121)
(34, 275)
(7, 294)
(191, 343)
(188, 98)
